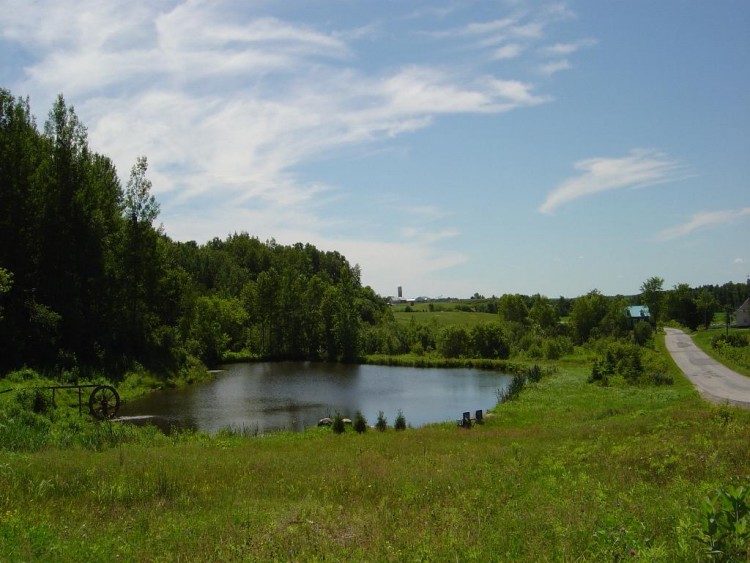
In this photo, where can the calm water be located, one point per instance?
(294, 396)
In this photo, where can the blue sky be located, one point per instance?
(449, 147)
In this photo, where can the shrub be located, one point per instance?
(597, 373)
(534, 374)
(453, 342)
(24, 374)
(552, 349)
(656, 369)
(360, 423)
(400, 423)
(488, 341)
(417, 349)
(535, 352)
(35, 400)
(630, 365)
(513, 390)
(382, 423)
(630, 361)
(338, 424)
(643, 333)
(734, 340)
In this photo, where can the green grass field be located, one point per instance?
(445, 318)
(570, 471)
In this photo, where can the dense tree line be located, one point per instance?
(89, 283)
(691, 307)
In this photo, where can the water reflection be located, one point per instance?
(290, 395)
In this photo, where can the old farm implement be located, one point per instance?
(103, 401)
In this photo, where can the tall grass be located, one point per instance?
(433, 361)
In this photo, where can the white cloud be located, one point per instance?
(738, 261)
(508, 37)
(476, 29)
(554, 67)
(704, 220)
(509, 51)
(639, 169)
(558, 52)
(565, 49)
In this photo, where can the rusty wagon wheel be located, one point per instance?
(104, 402)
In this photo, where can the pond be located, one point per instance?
(296, 395)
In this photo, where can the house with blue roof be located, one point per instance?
(638, 313)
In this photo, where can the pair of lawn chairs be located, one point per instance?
(466, 420)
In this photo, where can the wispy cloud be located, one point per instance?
(704, 220)
(559, 53)
(225, 101)
(229, 102)
(510, 36)
(477, 29)
(509, 51)
(555, 67)
(565, 49)
(639, 169)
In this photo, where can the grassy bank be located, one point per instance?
(435, 361)
(568, 471)
(737, 359)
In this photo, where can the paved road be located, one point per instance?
(714, 381)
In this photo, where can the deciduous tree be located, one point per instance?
(653, 297)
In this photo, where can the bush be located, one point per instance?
(24, 374)
(488, 341)
(35, 400)
(598, 374)
(338, 424)
(633, 363)
(513, 390)
(400, 423)
(734, 340)
(360, 423)
(417, 349)
(382, 423)
(656, 369)
(453, 342)
(534, 374)
(643, 333)
(552, 349)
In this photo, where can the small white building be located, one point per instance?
(742, 315)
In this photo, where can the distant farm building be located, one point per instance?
(742, 315)
(400, 298)
(638, 313)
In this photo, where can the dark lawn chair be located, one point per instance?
(465, 421)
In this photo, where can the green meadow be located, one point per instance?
(567, 471)
(443, 315)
